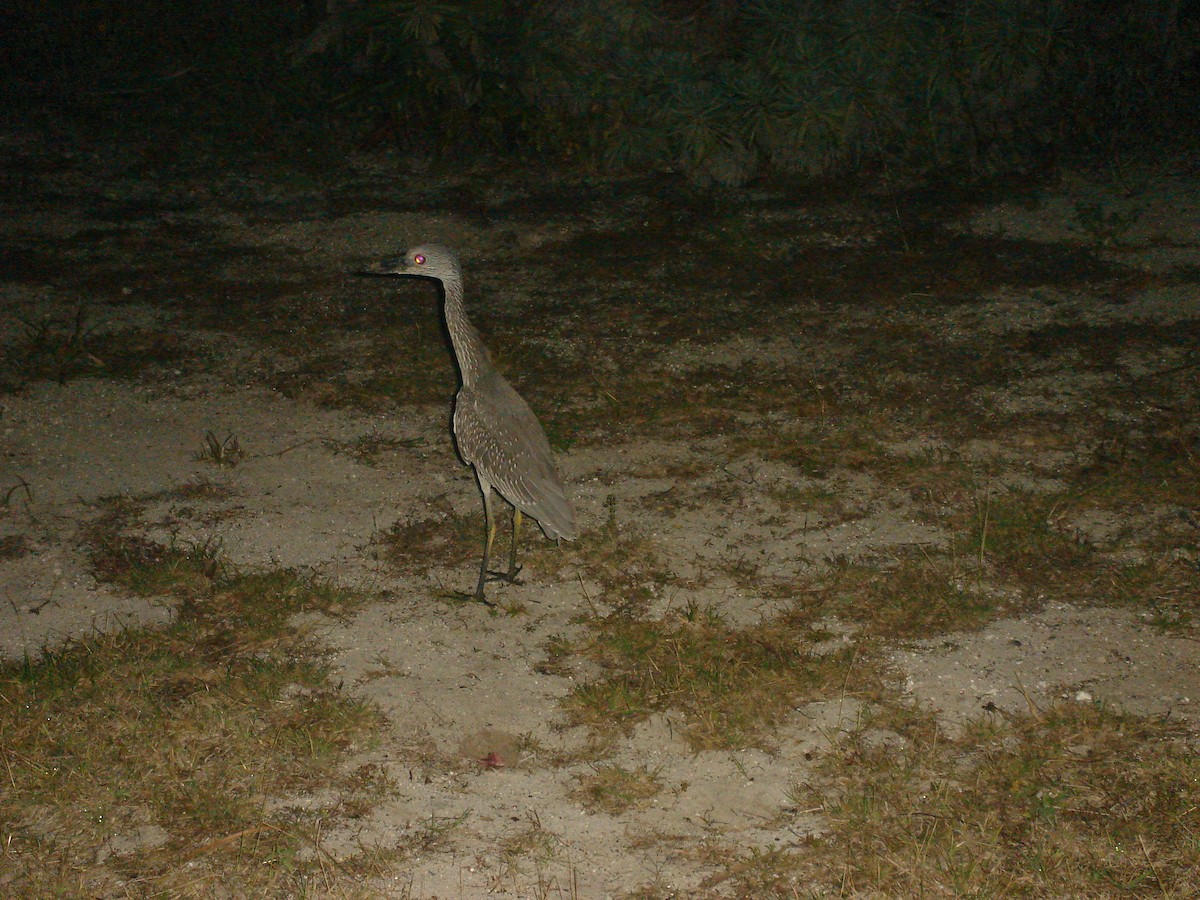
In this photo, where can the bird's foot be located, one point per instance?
(509, 577)
(474, 597)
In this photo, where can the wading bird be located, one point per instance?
(496, 431)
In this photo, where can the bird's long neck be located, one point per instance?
(472, 356)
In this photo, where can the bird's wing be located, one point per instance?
(498, 433)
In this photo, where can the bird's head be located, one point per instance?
(427, 260)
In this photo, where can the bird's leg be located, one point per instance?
(510, 576)
(489, 515)
(487, 541)
(513, 568)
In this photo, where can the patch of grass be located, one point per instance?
(1008, 552)
(177, 759)
(62, 350)
(559, 651)
(532, 840)
(445, 538)
(800, 497)
(146, 567)
(1101, 347)
(642, 402)
(198, 488)
(913, 595)
(397, 366)
(1126, 469)
(13, 546)
(1163, 587)
(1019, 537)
(730, 685)
(1075, 800)
(1105, 226)
(615, 789)
(368, 448)
(852, 441)
(773, 872)
(624, 561)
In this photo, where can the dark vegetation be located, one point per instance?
(721, 91)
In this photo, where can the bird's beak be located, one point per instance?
(396, 266)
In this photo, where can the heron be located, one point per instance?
(496, 432)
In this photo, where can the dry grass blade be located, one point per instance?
(220, 452)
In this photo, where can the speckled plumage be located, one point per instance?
(496, 431)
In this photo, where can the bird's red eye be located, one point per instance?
(419, 259)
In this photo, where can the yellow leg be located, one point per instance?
(487, 542)
(513, 568)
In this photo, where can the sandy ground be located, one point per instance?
(459, 683)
